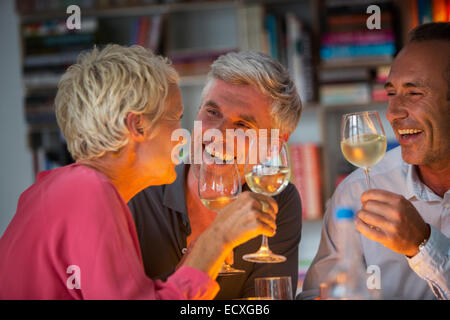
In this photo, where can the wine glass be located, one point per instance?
(219, 184)
(269, 176)
(276, 288)
(363, 141)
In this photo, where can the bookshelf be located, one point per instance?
(193, 34)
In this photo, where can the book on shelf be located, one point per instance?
(346, 37)
(423, 11)
(345, 93)
(273, 36)
(49, 43)
(306, 175)
(195, 62)
(343, 75)
(382, 73)
(146, 32)
(299, 57)
(357, 51)
(352, 21)
(362, 37)
(432, 11)
(44, 6)
(440, 10)
(252, 34)
(379, 94)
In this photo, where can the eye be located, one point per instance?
(243, 124)
(390, 93)
(212, 112)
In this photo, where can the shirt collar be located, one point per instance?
(416, 189)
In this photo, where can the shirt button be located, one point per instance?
(184, 250)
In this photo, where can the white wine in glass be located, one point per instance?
(218, 186)
(363, 141)
(269, 176)
(217, 204)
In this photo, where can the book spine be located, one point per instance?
(425, 15)
(271, 28)
(333, 52)
(306, 171)
(439, 10)
(358, 37)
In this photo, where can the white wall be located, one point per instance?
(15, 160)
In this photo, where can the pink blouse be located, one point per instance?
(73, 237)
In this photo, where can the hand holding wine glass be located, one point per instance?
(219, 184)
(363, 141)
(241, 220)
(269, 176)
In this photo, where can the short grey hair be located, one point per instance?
(96, 94)
(269, 76)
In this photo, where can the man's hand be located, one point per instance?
(391, 220)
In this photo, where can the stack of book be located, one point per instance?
(306, 171)
(347, 37)
(345, 86)
(49, 48)
(288, 40)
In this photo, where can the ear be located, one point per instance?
(135, 125)
(285, 137)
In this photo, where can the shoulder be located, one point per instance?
(79, 190)
(289, 205)
(147, 203)
(72, 178)
(289, 194)
(148, 196)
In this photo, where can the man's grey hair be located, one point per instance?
(269, 76)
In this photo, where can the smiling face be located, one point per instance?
(419, 108)
(226, 106)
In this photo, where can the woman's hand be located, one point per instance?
(250, 215)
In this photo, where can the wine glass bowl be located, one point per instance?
(363, 141)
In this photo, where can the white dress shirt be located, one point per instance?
(424, 276)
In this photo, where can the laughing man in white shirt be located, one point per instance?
(404, 221)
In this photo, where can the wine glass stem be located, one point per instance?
(264, 244)
(366, 171)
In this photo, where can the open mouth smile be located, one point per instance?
(408, 135)
(216, 154)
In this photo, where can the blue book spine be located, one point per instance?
(271, 27)
(334, 52)
(424, 8)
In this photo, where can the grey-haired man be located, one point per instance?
(244, 90)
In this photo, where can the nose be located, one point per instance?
(396, 109)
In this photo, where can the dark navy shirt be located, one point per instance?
(162, 225)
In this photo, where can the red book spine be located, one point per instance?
(358, 37)
(305, 166)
